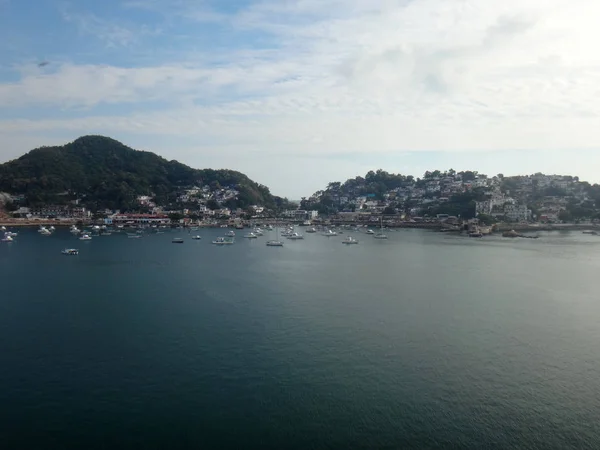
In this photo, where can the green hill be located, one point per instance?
(105, 173)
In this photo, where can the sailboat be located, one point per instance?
(380, 235)
(276, 242)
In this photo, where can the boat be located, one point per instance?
(311, 230)
(222, 241)
(70, 251)
(177, 241)
(105, 233)
(510, 234)
(369, 231)
(258, 232)
(2, 228)
(295, 236)
(269, 227)
(349, 240)
(196, 238)
(85, 237)
(11, 234)
(134, 236)
(275, 242)
(251, 236)
(381, 234)
(74, 230)
(7, 238)
(330, 233)
(44, 231)
(475, 234)
(230, 233)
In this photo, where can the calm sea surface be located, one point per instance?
(423, 341)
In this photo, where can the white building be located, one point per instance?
(517, 213)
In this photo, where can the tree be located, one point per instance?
(175, 217)
(565, 216)
(212, 204)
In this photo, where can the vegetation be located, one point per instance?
(104, 173)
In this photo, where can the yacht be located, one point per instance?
(177, 241)
(3, 228)
(330, 233)
(380, 235)
(74, 230)
(311, 230)
(70, 251)
(7, 238)
(258, 232)
(230, 233)
(251, 236)
(275, 242)
(369, 231)
(45, 232)
(222, 241)
(85, 237)
(295, 236)
(11, 234)
(349, 240)
(196, 238)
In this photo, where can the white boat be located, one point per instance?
(381, 235)
(52, 228)
(11, 234)
(330, 233)
(269, 227)
(7, 238)
(222, 241)
(275, 242)
(369, 231)
(295, 236)
(85, 237)
(250, 236)
(349, 240)
(258, 232)
(230, 233)
(70, 251)
(196, 238)
(177, 241)
(45, 232)
(311, 230)
(3, 228)
(74, 230)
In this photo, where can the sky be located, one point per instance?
(299, 93)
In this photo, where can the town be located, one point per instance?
(436, 199)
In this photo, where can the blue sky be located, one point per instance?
(300, 93)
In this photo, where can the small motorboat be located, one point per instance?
(70, 251)
(250, 236)
(196, 238)
(222, 241)
(177, 241)
(349, 240)
(85, 237)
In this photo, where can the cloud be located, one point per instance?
(331, 77)
(111, 33)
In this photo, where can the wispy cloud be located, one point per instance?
(332, 76)
(109, 31)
